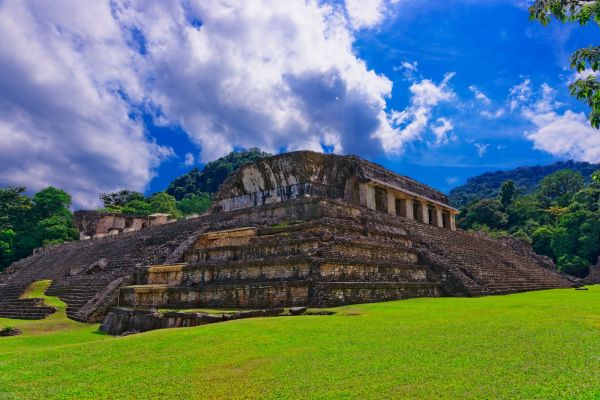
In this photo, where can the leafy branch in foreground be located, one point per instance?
(582, 12)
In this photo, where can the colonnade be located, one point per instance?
(403, 203)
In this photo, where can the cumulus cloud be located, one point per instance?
(64, 120)
(75, 78)
(274, 74)
(410, 124)
(78, 80)
(567, 134)
(367, 13)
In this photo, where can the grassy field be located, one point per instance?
(533, 345)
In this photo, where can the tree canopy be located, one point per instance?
(27, 223)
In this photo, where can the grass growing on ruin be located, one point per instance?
(52, 331)
(531, 345)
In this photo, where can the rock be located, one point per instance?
(10, 331)
(297, 310)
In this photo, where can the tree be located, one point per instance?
(558, 188)
(57, 228)
(508, 191)
(484, 212)
(582, 12)
(164, 203)
(54, 222)
(573, 265)
(526, 208)
(542, 241)
(14, 206)
(136, 207)
(208, 180)
(194, 204)
(120, 198)
(589, 238)
(50, 201)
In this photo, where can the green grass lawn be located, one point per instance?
(532, 345)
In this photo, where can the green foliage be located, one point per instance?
(559, 187)
(561, 219)
(194, 204)
(484, 212)
(29, 223)
(525, 209)
(582, 12)
(526, 179)
(115, 200)
(164, 203)
(542, 241)
(573, 265)
(136, 207)
(208, 180)
(589, 238)
(508, 191)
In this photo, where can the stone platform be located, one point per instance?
(301, 229)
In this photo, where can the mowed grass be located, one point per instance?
(533, 345)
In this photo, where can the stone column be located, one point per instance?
(367, 195)
(439, 217)
(453, 222)
(425, 212)
(408, 203)
(391, 203)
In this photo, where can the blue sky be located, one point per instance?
(95, 97)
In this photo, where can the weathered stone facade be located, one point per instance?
(94, 224)
(326, 230)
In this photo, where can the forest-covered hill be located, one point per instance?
(207, 181)
(526, 179)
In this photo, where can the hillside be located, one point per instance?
(208, 180)
(526, 179)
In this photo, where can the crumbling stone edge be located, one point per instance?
(125, 321)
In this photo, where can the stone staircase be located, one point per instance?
(80, 271)
(321, 262)
(484, 265)
(309, 251)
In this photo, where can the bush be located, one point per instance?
(574, 265)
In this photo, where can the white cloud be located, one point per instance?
(566, 134)
(492, 114)
(479, 95)
(410, 124)
(409, 69)
(481, 148)
(63, 121)
(442, 131)
(189, 160)
(519, 94)
(272, 74)
(365, 13)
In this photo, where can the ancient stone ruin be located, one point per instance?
(297, 229)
